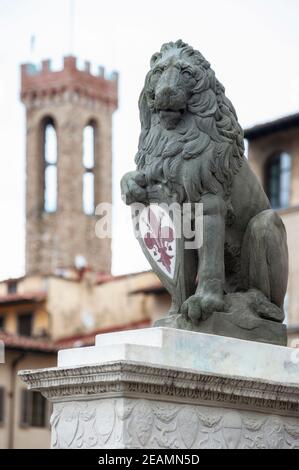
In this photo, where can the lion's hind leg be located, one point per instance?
(265, 256)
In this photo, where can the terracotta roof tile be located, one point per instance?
(36, 296)
(286, 122)
(155, 288)
(88, 339)
(13, 341)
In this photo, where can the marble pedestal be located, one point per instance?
(168, 388)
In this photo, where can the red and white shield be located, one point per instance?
(157, 235)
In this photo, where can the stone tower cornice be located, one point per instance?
(41, 84)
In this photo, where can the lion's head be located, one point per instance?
(183, 105)
(177, 75)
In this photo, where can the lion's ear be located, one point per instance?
(154, 58)
(144, 111)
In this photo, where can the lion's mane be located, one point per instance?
(212, 123)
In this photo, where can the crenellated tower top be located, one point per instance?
(38, 82)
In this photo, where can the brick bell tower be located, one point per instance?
(68, 164)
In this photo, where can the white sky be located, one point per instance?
(252, 45)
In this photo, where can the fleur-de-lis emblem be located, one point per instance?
(159, 238)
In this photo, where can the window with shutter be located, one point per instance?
(1, 405)
(25, 408)
(25, 324)
(33, 409)
(38, 418)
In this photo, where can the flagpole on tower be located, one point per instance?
(32, 48)
(72, 18)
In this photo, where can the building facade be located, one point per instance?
(24, 415)
(52, 308)
(273, 152)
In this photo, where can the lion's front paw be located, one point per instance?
(201, 307)
(133, 187)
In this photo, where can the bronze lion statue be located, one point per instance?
(191, 150)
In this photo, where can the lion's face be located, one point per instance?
(170, 84)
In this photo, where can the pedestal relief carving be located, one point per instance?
(147, 424)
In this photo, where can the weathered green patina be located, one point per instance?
(191, 150)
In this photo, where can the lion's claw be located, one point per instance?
(133, 187)
(201, 307)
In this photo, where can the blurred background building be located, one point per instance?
(273, 153)
(68, 294)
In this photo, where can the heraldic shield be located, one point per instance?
(160, 235)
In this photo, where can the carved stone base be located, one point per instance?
(229, 324)
(167, 388)
(138, 423)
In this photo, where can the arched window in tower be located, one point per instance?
(88, 164)
(50, 166)
(278, 180)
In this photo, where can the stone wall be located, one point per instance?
(260, 150)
